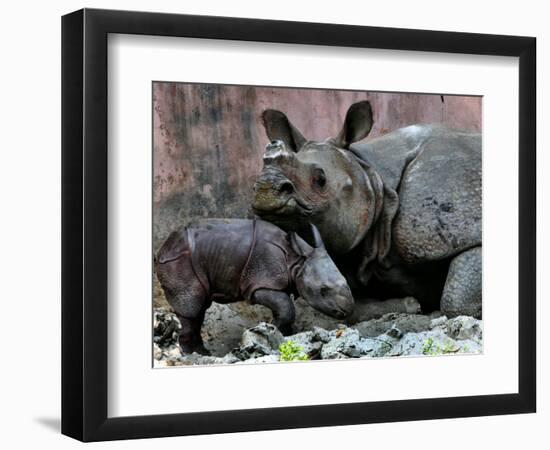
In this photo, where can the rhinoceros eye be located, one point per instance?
(319, 177)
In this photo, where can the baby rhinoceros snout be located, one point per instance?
(341, 302)
(345, 304)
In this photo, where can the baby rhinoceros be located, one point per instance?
(227, 260)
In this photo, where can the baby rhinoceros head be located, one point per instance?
(319, 282)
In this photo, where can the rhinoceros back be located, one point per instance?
(436, 172)
(239, 256)
(440, 199)
(390, 154)
(221, 249)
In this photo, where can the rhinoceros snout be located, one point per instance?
(274, 180)
(279, 186)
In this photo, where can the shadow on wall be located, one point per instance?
(208, 140)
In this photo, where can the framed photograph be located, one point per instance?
(274, 225)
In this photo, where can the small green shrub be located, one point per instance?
(290, 351)
(430, 348)
(449, 347)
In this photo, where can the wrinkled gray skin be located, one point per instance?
(227, 260)
(400, 214)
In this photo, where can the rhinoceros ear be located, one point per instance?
(357, 125)
(278, 127)
(317, 239)
(300, 246)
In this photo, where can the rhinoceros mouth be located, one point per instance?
(276, 195)
(289, 206)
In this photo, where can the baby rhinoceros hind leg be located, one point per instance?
(280, 305)
(462, 291)
(188, 298)
(190, 339)
(190, 305)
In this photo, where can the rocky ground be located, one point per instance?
(240, 333)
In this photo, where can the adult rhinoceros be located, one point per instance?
(400, 214)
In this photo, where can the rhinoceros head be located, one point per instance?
(306, 182)
(318, 281)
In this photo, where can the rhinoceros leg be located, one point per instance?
(190, 339)
(462, 291)
(280, 305)
(190, 305)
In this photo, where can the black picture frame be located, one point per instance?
(84, 224)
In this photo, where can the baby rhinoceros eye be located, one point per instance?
(324, 290)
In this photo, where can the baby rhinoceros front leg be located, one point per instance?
(280, 305)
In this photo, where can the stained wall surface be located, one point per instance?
(208, 140)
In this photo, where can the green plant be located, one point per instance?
(449, 347)
(290, 351)
(430, 348)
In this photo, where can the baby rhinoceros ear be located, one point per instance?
(174, 247)
(317, 239)
(300, 246)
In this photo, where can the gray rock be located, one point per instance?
(469, 346)
(320, 335)
(406, 323)
(309, 341)
(394, 332)
(344, 343)
(440, 321)
(166, 327)
(423, 343)
(432, 343)
(261, 360)
(348, 343)
(195, 359)
(435, 315)
(264, 339)
(392, 335)
(375, 309)
(465, 327)
(224, 325)
(157, 352)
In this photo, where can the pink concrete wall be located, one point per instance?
(208, 140)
